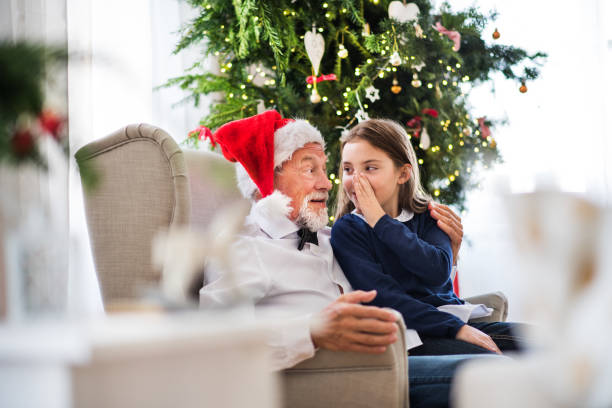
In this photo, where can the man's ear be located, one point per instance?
(405, 173)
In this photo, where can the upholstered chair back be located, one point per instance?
(212, 184)
(142, 189)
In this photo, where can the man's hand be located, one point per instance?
(450, 223)
(472, 335)
(346, 325)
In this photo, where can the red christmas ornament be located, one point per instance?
(431, 112)
(484, 129)
(22, 142)
(416, 125)
(50, 122)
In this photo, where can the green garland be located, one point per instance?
(261, 52)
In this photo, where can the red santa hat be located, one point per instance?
(261, 143)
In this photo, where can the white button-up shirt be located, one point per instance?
(281, 280)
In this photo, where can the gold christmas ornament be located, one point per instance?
(342, 52)
(496, 34)
(315, 97)
(395, 88)
(493, 143)
(467, 131)
(438, 91)
(523, 87)
(418, 31)
(415, 80)
(366, 30)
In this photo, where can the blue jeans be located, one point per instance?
(430, 378)
(504, 334)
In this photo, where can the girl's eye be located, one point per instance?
(347, 170)
(370, 168)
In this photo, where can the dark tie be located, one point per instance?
(307, 235)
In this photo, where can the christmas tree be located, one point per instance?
(338, 62)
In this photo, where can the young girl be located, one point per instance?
(385, 239)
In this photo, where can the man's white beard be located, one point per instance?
(310, 219)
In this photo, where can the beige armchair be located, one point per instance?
(148, 183)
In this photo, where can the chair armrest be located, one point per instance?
(348, 379)
(495, 300)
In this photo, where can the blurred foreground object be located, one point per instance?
(566, 277)
(186, 360)
(34, 237)
(181, 254)
(24, 121)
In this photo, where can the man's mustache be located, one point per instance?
(316, 196)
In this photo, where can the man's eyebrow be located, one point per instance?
(307, 158)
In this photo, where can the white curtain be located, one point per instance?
(122, 50)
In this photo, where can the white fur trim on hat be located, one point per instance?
(274, 205)
(246, 186)
(292, 137)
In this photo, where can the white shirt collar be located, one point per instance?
(404, 216)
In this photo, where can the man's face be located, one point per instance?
(304, 180)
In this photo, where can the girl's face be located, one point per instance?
(374, 164)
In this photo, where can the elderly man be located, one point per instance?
(284, 259)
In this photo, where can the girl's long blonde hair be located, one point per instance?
(391, 138)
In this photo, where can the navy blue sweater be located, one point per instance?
(408, 264)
